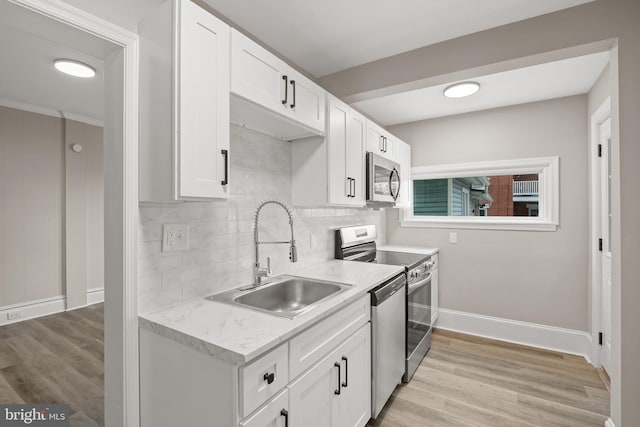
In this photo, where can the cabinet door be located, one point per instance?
(340, 184)
(203, 106)
(403, 157)
(313, 401)
(389, 146)
(306, 101)
(374, 138)
(258, 75)
(272, 414)
(355, 398)
(355, 157)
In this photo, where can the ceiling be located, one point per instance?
(327, 36)
(550, 80)
(27, 72)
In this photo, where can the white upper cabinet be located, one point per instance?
(346, 132)
(330, 171)
(257, 74)
(263, 80)
(380, 142)
(403, 158)
(184, 104)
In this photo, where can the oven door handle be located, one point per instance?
(413, 286)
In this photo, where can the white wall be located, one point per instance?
(38, 171)
(538, 277)
(221, 251)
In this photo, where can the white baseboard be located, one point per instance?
(609, 423)
(45, 307)
(32, 309)
(95, 296)
(531, 334)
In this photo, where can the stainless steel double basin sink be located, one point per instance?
(286, 296)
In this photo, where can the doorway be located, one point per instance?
(601, 173)
(62, 23)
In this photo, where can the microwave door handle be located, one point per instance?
(397, 193)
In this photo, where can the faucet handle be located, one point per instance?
(268, 266)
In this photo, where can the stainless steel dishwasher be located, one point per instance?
(388, 329)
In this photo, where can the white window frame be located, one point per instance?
(547, 168)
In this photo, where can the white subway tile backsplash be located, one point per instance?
(221, 252)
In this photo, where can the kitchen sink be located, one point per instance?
(286, 296)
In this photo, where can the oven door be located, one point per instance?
(418, 322)
(383, 180)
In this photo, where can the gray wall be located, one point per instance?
(616, 23)
(38, 174)
(31, 212)
(221, 251)
(538, 277)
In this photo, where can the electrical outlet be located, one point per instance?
(13, 315)
(175, 237)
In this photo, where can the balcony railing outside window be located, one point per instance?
(525, 188)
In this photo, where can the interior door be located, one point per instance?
(605, 230)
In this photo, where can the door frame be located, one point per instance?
(121, 406)
(597, 118)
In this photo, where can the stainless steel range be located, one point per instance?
(358, 244)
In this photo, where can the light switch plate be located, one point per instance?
(175, 237)
(453, 238)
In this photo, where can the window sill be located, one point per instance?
(479, 224)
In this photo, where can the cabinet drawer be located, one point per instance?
(314, 343)
(273, 414)
(262, 378)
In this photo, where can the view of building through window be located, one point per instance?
(501, 195)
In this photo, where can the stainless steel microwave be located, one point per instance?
(383, 181)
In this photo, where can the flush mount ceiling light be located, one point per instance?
(74, 68)
(460, 90)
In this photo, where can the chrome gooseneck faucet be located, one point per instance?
(260, 272)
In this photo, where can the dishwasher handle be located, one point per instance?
(387, 290)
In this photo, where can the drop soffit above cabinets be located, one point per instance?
(333, 35)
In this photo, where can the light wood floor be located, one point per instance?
(469, 381)
(56, 359)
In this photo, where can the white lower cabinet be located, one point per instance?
(337, 390)
(273, 414)
(320, 377)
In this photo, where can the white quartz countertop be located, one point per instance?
(238, 335)
(409, 249)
